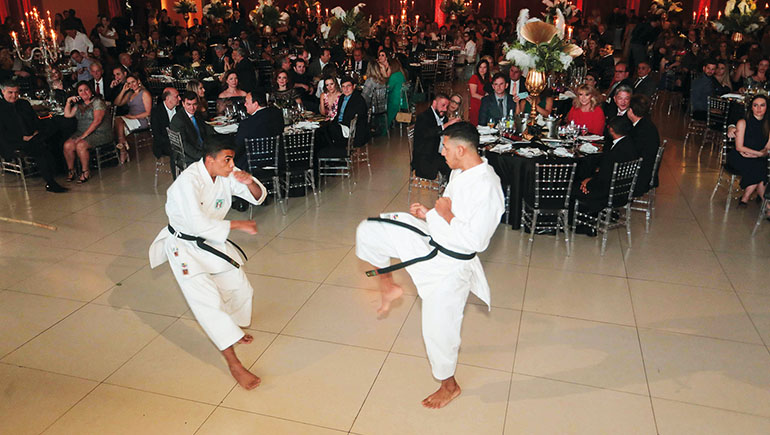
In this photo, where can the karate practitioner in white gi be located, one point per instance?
(217, 291)
(462, 222)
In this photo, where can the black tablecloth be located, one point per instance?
(519, 173)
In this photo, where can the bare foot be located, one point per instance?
(246, 339)
(445, 394)
(389, 294)
(245, 378)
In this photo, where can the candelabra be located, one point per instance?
(48, 50)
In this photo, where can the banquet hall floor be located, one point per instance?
(669, 336)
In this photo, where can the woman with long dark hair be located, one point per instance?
(749, 157)
(479, 86)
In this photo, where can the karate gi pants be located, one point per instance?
(442, 284)
(220, 302)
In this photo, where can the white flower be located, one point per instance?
(719, 27)
(338, 12)
(729, 6)
(561, 24)
(523, 18)
(350, 35)
(548, 3)
(325, 30)
(752, 28)
(521, 58)
(283, 18)
(358, 8)
(565, 60)
(744, 8)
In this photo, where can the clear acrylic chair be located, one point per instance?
(178, 158)
(437, 184)
(298, 158)
(618, 201)
(339, 162)
(646, 202)
(726, 171)
(716, 121)
(262, 159)
(765, 202)
(553, 186)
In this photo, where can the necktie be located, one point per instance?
(639, 80)
(98, 92)
(500, 105)
(197, 130)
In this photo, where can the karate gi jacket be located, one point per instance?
(197, 206)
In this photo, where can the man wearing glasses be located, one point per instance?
(620, 78)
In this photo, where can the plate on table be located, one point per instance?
(529, 152)
(591, 138)
(553, 143)
(486, 130)
(36, 102)
(208, 79)
(487, 139)
(562, 152)
(588, 148)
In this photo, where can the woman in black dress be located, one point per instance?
(749, 158)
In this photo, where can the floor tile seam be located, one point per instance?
(740, 253)
(382, 365)
(603, 322)
(88, 249)
(77, 402)
(701, 405)
(685, 334)
(335, 245)
(231, 408)
(751, 319)
(516, 349)
(213, 410)
(22, 292)
(356, 346)
(37, 369)
(173, 316)
(157, 393)
(539, 267)
(635, 278)
(463, 364)
(579, 384)
(3, 356)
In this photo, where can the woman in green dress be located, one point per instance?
(395, 82)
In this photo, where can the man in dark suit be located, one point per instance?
(427, 160)
(21, 131)
(644, 83)
(646, 140)
(193, 128)
(244, 69)
(220, 59)
(619, 78)
(606, 66)
(702, 88)
(100, 83)
(160, 118)
(415, 49)
(264, 121)
(359, 63)
(594, 191)
(498, 104)
(516, 82)
(617, 108)
(316, 67)
(334, 136)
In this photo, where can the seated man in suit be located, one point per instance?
(702, 88)
(263, 121)
(620, 78)
(21, 131)
(646, 140)
(594, 190)
(160, 118)
(516, 83)
(193, 128)
(617, 108)
(334, 135)
(415, 48)
(427, 160)
(359, 63)
(244, 69)
(498, 104)
(644, 83)
(100, 83)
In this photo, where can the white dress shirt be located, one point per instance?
(80, 43)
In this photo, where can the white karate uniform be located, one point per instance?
(442, 282)
(218, 293)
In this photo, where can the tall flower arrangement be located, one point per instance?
(217, 9)
(665, 7)
(185, 7)
(566, 8)
(351, 24)
(456, 7)
(541, 46)
(266, 13)
(739, 17)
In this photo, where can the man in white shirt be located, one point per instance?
(77, 41)
(444, 242)
(469, 51)
(206, 265)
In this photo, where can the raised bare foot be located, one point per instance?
(246, 339)
(445, 394)
(389, 294)
(245, 378)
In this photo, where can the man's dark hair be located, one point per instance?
(325, 49)
(621, 126)
(640, 104)
(189, 96)
(8, 84)
(259, 97)
(710, 61)
(214, 146)
(298, 60)
(121, 68)
(465, 132)
(500, 75)
(165, 94)
(440, 96)
(347, 79)
(74, 51)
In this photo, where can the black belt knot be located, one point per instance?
(436, 249)
(201, 242)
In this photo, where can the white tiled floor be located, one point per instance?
(668, 336)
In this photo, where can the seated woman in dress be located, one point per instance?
(93, 129)
(543, 104)
(759, 79)
(586, 110)
(139, 103)
(284, 93)
(330, 97)
(197, 87)
(749, 157)
(479, 86)
(723, 83)
(232, 96)
(57, 85)
(455, 110)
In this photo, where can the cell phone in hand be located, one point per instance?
(523, 95)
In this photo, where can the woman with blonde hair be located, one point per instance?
(375, 90)
(395, 83)
(197, 87)
(586, 110)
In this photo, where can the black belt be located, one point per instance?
(201, 242)
(436, 249)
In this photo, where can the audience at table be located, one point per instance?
(197, 87)
(395, 84)
(22, 132)
(93, 129)
(330, 97)
(244, 69)
(586, 110)
(263, 121)
(375, 87)
(334, 136)
(479, 86)
(162, 114)
(646, 139)
(427, 160)
(644, 83)
(192, 127)
(498, 104)
(702, 88)
(749, 157)
(455, 108)
(139, 103)
(233, 96)
(284, 93)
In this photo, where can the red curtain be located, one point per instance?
(4, 12)
(113, 8)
